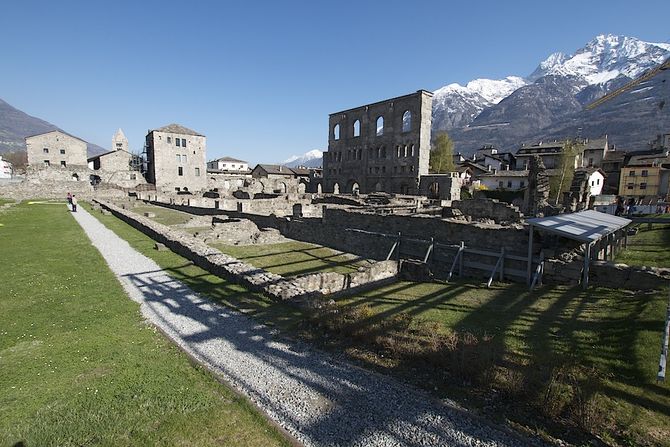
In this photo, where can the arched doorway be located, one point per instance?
(379, 187)
(336, 188)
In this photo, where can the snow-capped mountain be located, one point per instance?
(603, 59)
(311, 159)
(507, 111)
(455, 105)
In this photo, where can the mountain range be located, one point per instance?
(549, 103)
(15, 125)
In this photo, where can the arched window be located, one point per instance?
(336, 132)
(380, 126)
(407, 121)
(357, 128)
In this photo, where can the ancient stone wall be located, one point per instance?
(499, 212)
(383, 146)
(606, 274)
(256, 279)
(171, 166)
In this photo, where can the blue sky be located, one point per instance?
(260, 78)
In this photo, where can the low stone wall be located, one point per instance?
(606, 274)
(256, 279)
(330, 283)
(499, 212)
(55, 190)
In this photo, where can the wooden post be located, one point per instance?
(530, 255)
(502, 264)
(587, 259)
(460, 260)
(398, 248)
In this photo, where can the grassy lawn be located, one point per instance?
(560, 361)
(293, 258)
(165, 216)
(614, 336)
(648, 247)
(4, 201)
(79, 366)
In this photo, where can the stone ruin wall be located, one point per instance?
(499, 212)
(330, 231)
(305, 290)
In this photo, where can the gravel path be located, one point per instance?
(319, 400)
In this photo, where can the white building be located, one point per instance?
(5, 168)
(507, 180)
(228, 164)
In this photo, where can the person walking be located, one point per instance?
(74, 203)
(69, 200)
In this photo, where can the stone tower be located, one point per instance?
(119, 141)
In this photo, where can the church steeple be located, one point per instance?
(119, 141)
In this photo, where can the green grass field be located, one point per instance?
(293, 258)
(605, 341)
(648, 247)
(165, 216)
(79, 366)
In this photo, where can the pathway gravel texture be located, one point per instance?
(319, 400)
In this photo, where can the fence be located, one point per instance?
(449, 259)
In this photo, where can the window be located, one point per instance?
(180, 171)
(357, 128)
(630, 186)
(631, 174)
(643, 186)
(509, 183)
(397, 149)
(522, 184)
(407, 121)
(411, 168)
(380, 126)
(197, 172)
(395, 169)
(183, 142)
(402, 169)
(405, 152)
(183, 158)
(500, 184)
(384, 169)
(133, 176)
(597, 181)
(412, 150)
(62, 151)
(120, 145)
(645, 173)
(593, 183)
(178, 158)
(169, 139)
(45, 150)
(46, 163)
(177, 142)
(590, 162)
(63, 164)
(336, 132)
(377, 169)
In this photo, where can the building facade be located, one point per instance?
(6, 169)
(117, 166)
(228, 164)
(56, 149)
(176, 159)
(646, 175)
(384, 146)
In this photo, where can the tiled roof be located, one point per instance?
(230, 159)
(178, 128)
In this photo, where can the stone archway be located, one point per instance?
(379, 187)
(336, 188)
(319, 189)
(301, 188)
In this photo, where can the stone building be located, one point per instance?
(117, 166)
(384, 146)
(176, 159)
(56, 149)
(441, 186)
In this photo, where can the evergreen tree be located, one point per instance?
(442, 155)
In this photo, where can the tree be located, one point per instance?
(442, 155)
(18, 159)
(566, 170)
